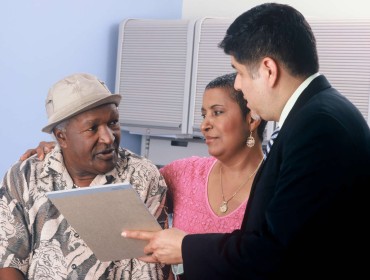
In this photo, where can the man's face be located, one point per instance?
(91, 140)
(252, 86)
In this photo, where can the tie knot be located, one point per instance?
(275, 133)
(271, 141)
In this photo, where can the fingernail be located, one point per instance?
(123, 234)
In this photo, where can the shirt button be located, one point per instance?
(76, 235)
(74, 266)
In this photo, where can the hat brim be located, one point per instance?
(114, 98)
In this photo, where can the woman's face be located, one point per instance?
(223, 126)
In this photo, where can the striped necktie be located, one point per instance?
(271, 141)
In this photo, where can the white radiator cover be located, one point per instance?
(163, 67)
(344, 55)
(154, 75)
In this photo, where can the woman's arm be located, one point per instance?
(10, 273)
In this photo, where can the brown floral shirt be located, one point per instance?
(36, 239)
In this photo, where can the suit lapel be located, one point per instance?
(319, 84)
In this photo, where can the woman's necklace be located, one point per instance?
(224, 207)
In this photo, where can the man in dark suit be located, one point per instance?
(306, 215)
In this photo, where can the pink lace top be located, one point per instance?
(187, 183)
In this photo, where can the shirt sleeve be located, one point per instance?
(14, 234)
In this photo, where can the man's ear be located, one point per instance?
(60, 137)
(271, 70)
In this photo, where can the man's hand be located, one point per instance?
(164, 246)
(41, 150)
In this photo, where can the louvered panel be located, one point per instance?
(164, 65)
(153, 75)
(209, 61)
(344, 54)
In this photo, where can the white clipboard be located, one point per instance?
(100, 213)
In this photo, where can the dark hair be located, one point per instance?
(227, 82)
(275, 30)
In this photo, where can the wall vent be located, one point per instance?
(163, 67)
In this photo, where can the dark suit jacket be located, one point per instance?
(307, 212)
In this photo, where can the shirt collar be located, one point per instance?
(54, 163)
(292, 100)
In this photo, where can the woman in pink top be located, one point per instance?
(209, 194)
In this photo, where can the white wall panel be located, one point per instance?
(153, 75)
(164, 66)
(344, 52)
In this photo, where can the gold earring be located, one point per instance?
(250, 140)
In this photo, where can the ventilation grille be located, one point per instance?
(209, 62)
(153, 75)
(164, 65)
(344, 54)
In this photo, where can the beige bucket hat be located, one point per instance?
(75, 94)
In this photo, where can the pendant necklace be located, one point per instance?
(224, 207)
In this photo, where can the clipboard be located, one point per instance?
(100, 213)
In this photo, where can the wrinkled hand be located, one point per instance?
(164, 246)
(41, 150)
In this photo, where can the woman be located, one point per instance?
(209, 194)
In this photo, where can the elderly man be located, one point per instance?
(36, 241)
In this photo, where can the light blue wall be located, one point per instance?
(42, 41)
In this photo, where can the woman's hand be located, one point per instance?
(41, 150)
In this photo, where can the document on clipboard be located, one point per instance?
(100, 213)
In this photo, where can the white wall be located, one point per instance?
(326, 9)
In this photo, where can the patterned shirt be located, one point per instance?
(36, 239)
